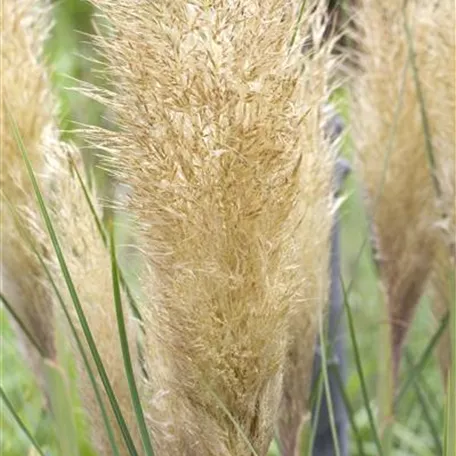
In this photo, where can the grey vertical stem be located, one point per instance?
(335, 338)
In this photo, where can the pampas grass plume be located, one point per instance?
(219, 140)
(27, 99)
(405, 202)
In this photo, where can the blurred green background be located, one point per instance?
(413, 434)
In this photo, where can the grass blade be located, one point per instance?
(431, 396)
(426, 412)
(450, 443)
(20, 423)
(298, 23)
(84, 324)
(23, 327)
(315, 404)
(427, 353)
(359, 369)
(423, 112)
(93, 211)
(104, 237)
(450, 421)
(350, 412)
(126, 353)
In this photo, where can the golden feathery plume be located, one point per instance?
(391, 144)
(391, 148)
(442, 110)
(219, 138)
(26, 98)
(89, 263)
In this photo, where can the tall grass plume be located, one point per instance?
(395, 150)
(219, 138)
(27, 99)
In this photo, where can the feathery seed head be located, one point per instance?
(220, 141)
(391, 142)
(443, 47)
(26, 98)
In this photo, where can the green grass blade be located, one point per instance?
(450, 421)
(360, 372)
(427, 353)
(104, 237)
(450, 441)
(423, 112)
(23, 327)
(426, 412)
(84, 324)
(350, 412)
(298, 22)
(65, 424)
(430, 395)
(88, 199)
(126, 353)
(315, 404)
(20, 423)
(73, 332)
